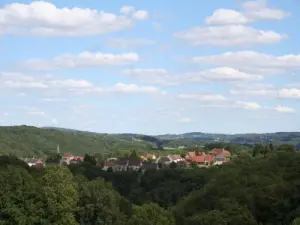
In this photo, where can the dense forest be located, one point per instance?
(262, 188)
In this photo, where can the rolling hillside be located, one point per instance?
(276, 138)
(27, 141)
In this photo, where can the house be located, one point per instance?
(167, 160)
(76, 160)
(148, 157)
(108, 164)
(39, 163)
(220, 159)
(66, 159)
(200, 158)
(121, 164)
(134, 164)
(221, 155)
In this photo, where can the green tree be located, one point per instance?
(53, 158)
(89, 159)
(134, 155)
(151, 213)
(21, 202)
(100, 204)
(61, 195)
(286, 148)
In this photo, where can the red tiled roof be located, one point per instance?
(78, 158)
(68, 155)
(191, 154)
(209, 158)
(198, 158)
(216, 151)
(202, 157)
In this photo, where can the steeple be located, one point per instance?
(57, 149)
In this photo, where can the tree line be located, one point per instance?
(256, 188)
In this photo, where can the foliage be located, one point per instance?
(20, 199)
(260, 190)
(61, 195)
(27, 141)
(151, 213)
(90, 159)
(100, 204)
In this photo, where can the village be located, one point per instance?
(142, 161)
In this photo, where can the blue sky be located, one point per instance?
(151, 67)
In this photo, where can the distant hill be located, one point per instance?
(27, 141)
(276, 138)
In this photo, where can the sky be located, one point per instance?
(151, 67)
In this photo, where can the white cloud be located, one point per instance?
(72, 86)
(254, 92)
(249, 105)
(291, 93)
(134, 89)
(282, 93)
(220, 74)
(226, 16)
(259, 10)
(161, 76)
(202, 97)
(128, 43)
(284, 109)
(229, 35)
(251, 11)
(127, 10)
(45, 19)
(82, 60)
(140, 15)
(252, 61)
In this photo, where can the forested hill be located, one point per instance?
(251, 138)
(28, 141)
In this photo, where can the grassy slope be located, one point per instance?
(27, 141)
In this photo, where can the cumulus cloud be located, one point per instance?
(226, 16)
(252, 61)
(128, 43)
(45, 19)
(249, 105)
(202, 97)
(21, 81)
(251, 11)
(220, 74)
(127, 10)
(133, 88)
(161, 76)
(82, 60)
(282, 93)
(229, 35)
(227, 27)
(140, 15)
(284, 109)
